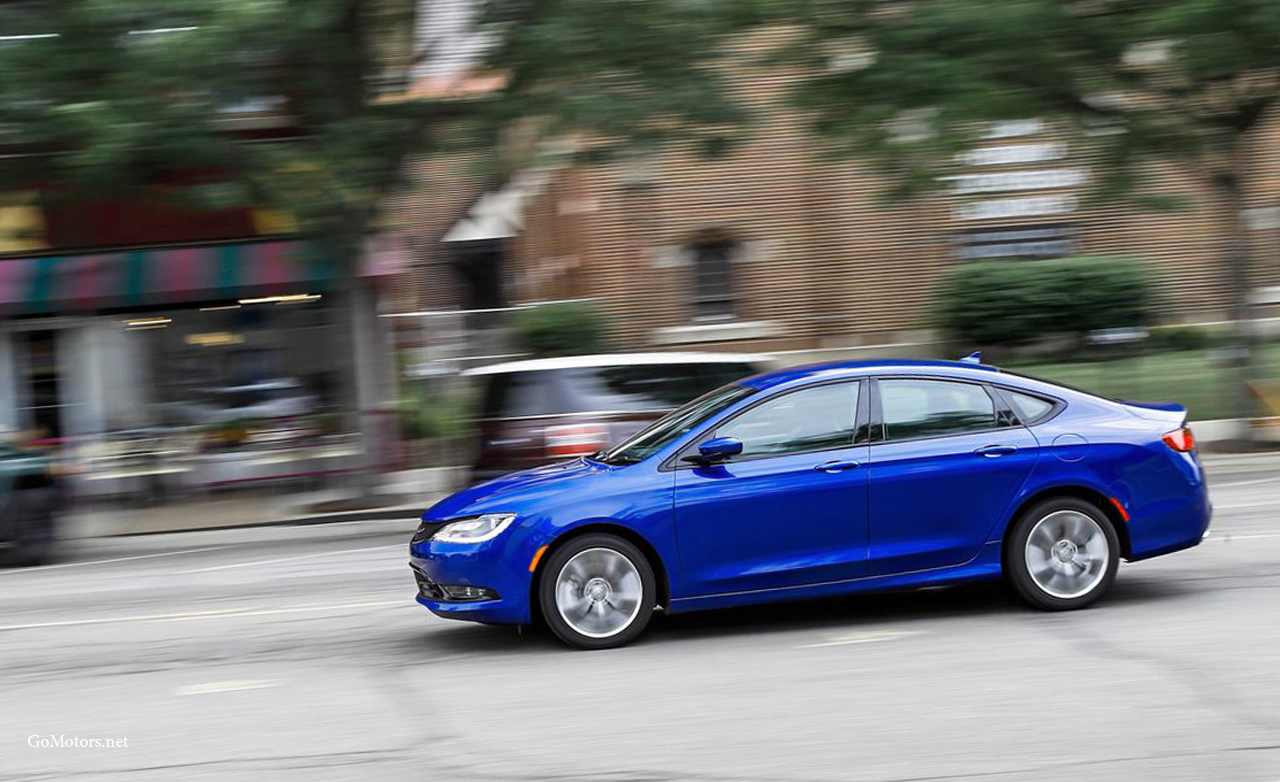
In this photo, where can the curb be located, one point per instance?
(346, 517)
(394, 513)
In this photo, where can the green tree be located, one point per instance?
(909, 83)
(118, 96)
(108, 98)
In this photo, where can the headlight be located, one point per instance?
(477, 530)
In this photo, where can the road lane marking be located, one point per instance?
(39, 568)
(225, 613)
(228, 686)
(875, 636)
(1243, 505)
(1226, 536)
(289, 559)
(1215, 485)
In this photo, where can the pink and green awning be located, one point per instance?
(159, 277)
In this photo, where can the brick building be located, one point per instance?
(776, 248)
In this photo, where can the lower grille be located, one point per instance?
(426, 587)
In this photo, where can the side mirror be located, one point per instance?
(716, 450)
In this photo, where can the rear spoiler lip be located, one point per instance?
(1171, 412)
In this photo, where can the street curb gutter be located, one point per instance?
(399, 512)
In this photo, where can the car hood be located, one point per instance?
(517, 492)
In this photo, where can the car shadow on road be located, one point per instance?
(867, 612)
(847, 613)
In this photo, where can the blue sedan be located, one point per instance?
(817, 481)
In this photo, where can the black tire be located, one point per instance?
(1052, 589)
(550, 577)
(32, 523)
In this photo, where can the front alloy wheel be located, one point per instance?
(597, 592)
(1063, 554)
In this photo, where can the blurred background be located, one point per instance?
(286, 261)
(251, 248)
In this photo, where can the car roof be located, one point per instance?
(853, 368)
(616, 360)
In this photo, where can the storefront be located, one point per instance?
(180, 368)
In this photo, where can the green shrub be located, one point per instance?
(1181, 338)
(428, 413)
(567, 329)
(1011, 302)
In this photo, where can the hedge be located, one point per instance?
(1014, 302)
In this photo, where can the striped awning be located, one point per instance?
(147, 278)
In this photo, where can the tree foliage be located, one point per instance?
(617, 75)
(120, 96)
(1179, 80)
(123, 97)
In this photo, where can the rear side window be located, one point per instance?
(931, 408)
(638, 387)
(519, 394)
(1030, 409)
(712, 376)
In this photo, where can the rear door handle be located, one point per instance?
(992, 451)
(836, 466)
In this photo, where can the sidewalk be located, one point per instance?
(403, 494)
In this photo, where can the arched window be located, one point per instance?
(712, 253)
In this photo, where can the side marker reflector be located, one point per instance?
(537, 556)
(1124, 514)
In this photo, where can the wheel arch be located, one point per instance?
(607, 527)
(1098, 499)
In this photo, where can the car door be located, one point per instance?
(791, 509)
(946, 462)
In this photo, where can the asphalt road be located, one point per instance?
(297, 653)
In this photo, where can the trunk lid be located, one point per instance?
(1171, 413)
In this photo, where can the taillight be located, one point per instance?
(575, 439)
(1180, 440)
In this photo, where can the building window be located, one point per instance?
(1024, 241)
(713, 256)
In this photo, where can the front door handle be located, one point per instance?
(992, 451)
(836, 466)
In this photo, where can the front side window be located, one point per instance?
(812, 419)
(932, 408)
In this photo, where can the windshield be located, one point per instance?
(675, 424)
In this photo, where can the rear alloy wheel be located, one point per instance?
(1063, 554)
(597, 592)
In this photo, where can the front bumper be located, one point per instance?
(436, 566)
